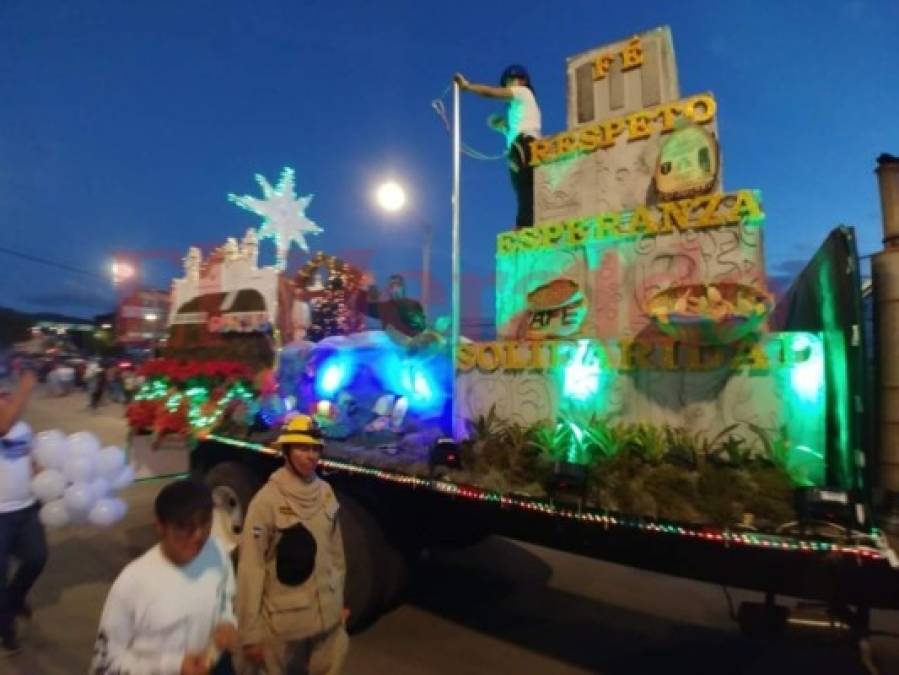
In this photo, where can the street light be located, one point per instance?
(121, 271)
(391, 196)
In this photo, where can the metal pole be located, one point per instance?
(454, 339)
(885, 275)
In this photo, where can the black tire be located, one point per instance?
(396, 573)
(363, 543)
(237, 479)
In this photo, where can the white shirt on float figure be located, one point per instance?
(157, 612)
(522, 114)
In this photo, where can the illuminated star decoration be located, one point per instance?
(283, 212)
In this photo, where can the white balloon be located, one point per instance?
(51, 434)
(51, 449)
(124, 479)
(79, 499)
(79, 469)
(110, 463)
(107, 511)
(84, 442)
(100, 488)
(48, 485)
(54, 514)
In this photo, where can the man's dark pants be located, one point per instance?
(522, 174)
(21, 537)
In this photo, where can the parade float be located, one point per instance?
(644, 400)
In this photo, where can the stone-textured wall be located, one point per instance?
(607, 179)
(622, 91)
(619, 277)
(741, 402)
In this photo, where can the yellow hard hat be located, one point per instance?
(300, 429)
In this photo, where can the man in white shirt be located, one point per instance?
(21, 533)
(170, 612)
(520, 125)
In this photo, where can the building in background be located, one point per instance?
(141, 321)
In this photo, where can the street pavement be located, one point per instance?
(499, 607)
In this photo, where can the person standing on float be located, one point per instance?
(290, 579)
(520, 125)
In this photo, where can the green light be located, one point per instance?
(576, 432)
(174, 402)
(196, 392)
(576, 452)
(807, 372)
(152, 390)
(581, 377)
(840, 398)
(798, 445)
(557, 170)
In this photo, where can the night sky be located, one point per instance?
(123, 126)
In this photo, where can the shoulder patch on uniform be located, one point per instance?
(258, 531)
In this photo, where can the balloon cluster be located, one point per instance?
(79, 479)
(333, 302)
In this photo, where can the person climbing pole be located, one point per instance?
(520, 124)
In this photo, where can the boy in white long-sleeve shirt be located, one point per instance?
(170, 611)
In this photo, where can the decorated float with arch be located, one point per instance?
(644, 399)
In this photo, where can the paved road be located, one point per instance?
(500, 607)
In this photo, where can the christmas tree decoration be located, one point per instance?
(283, 213)
(332, 288)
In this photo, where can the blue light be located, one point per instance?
(422, 386)
(334, 375)
(415, 384)
(416, 379)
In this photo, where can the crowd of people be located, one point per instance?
(179, 609)
(99, 379)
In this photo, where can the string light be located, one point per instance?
(174, 402)
(198, 398)
(199, 419)
(152, 390)
(605, 519)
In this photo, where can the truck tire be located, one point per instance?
(364, 546)
(232, 486)
(396, 573)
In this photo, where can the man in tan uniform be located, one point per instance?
(291, 574)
